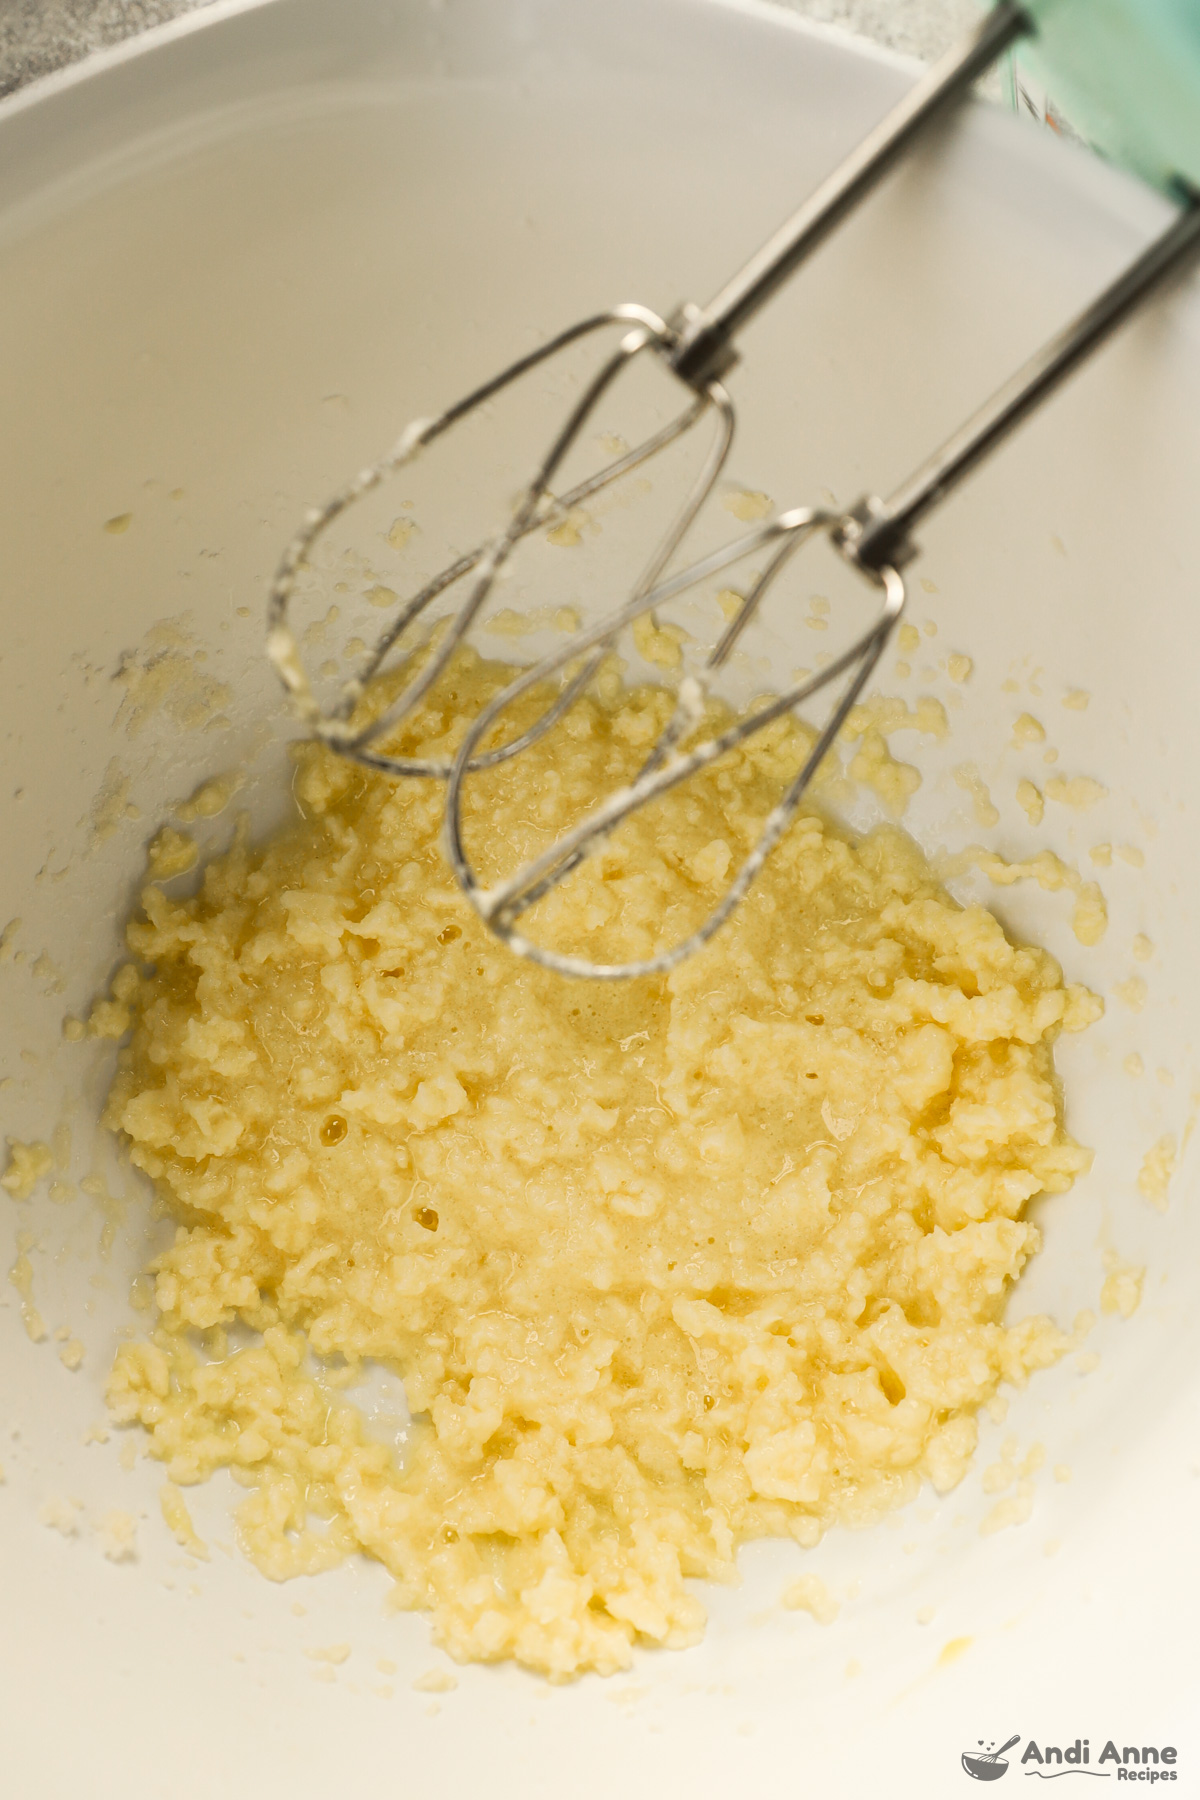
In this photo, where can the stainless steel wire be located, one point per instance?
(874, 538)
(536, 507)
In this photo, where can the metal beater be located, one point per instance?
(696, 345)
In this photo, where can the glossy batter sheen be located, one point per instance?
(664, 1266)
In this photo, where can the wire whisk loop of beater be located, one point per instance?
(874, 538)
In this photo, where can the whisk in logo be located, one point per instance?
(987, 1763)
(1050, 1762)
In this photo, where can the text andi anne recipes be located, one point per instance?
(1144, 1762)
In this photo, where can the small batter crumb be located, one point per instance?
(46, 970)
(568, 535)
(871, 723)
(436, 1681)
(1090, 920)
(1122, 1290)
(1062, 1473)
(1129, 853)
(1132, 992)
(179, 1521)
(1028, 730)
(1080, 791)
(1016, 1509)
(1158, 1166)
(171, 853)
(27, 1165)
(1030, 801)
(998, 1476)
(809, 1594)
(61, 1516)
(968, 778)
(109, 1019)
(659, 644)
(747, 505)
(908, 640)
(960, 668)
(1076, 700)
(211, 797)
(874, 766)
(1143, 949)
(21, 1277)
(711, 865)
(117, 1536)
(511, 624)
(888, 714)
(71, 1355)
(1134, 1065)
(1101, 855)
(331, 1653)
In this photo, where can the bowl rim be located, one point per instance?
(206, 15)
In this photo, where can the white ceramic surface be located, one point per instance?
(233, 259)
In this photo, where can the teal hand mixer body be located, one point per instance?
(1130, 71)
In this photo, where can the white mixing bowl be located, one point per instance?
(234, 258)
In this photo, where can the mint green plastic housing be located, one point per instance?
(1127, 74)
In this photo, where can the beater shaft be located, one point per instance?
(705, 333)
(874, 538)
(697, 347)
(884, 536)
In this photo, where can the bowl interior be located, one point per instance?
(235, 264)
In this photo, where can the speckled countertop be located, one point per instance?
(37, 36)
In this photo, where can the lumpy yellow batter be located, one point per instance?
(664, 1265)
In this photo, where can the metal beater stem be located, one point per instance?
(877, 532)
(705, 348)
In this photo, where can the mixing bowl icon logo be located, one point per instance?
(987, 1763)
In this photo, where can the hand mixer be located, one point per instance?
(696, 345)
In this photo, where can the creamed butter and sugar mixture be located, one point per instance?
(664, 1265)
